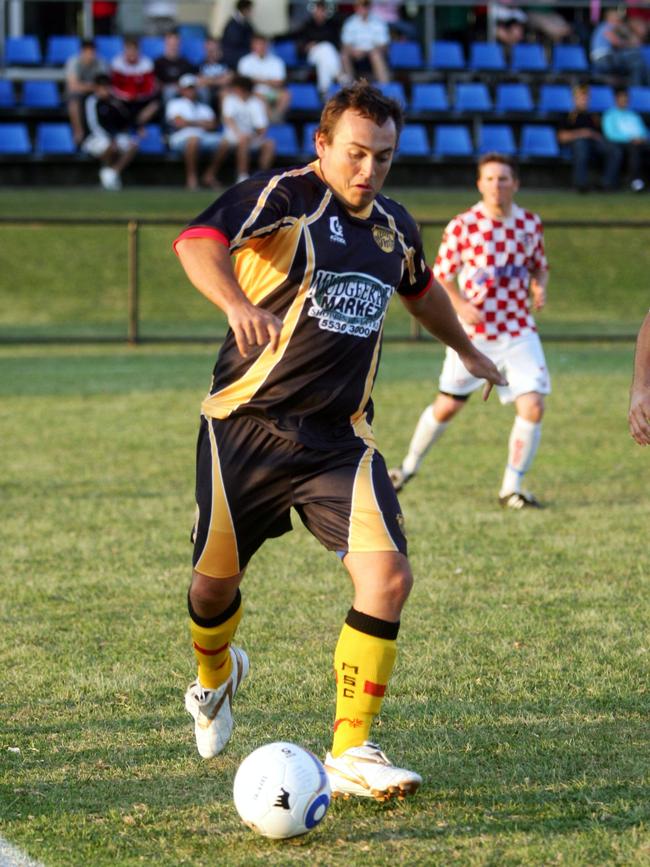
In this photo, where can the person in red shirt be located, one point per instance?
(134, 82)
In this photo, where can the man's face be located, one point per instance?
(172, 45)
(357, 159)
(497, 185)
(581, 99)
(362, 9)
(131, 52)
(259, 47)
(622, 100)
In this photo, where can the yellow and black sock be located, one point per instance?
(363, 662)
(211, 639)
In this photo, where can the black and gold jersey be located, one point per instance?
(328, 275)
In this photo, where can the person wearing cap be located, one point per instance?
(193, 127)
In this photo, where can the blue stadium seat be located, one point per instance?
(193, 49)
(513, 97)
(14, 139)
(22, 51)
(308, 147)
(528, 57)
(569, 58)
(538, 141)
(486, 57)
(286, 141)
(7, 95)
(446, 55)
(640, 99)
(555, 98)
(54, 138)
(109, 46)
(472, 96)
(192, 31)
(60, 49)
(496, 137)
(452, 140)
(394, 90)
(304, 96)
(287, 50)
(414, 141)
(152, 46)
(601, 97)
(41, 94)
(152, 142)
(428, 97)
(405, 55)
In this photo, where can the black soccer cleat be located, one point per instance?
(520, 500)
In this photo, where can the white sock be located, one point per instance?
(522, 447)
(427, 431)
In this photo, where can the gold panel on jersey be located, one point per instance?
(384, 238)
(264, 263)
(368, 531)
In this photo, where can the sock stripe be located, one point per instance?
(378, 689)
(206, 652)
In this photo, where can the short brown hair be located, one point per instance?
(496, 157)
(367, 101)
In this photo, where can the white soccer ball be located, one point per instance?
(281, 790)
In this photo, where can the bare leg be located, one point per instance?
(191, 156)
(378, 65)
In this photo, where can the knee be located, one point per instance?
(210, 596)
(399, 585)
(445, 408)
(532, 409)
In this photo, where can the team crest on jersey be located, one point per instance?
(348, 303)
(384, 238)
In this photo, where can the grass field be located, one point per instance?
(521, 686)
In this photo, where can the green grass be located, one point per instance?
(521, 688)
(71, 281)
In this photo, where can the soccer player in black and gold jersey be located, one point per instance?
(304, 262)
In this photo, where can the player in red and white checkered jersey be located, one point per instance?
(491, 262)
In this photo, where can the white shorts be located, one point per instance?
(521, 360)
(97, 144)
(178, 139)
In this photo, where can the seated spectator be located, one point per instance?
(582, 133)
(80, 73)
(237, 34)
(160, 16)
(510, 24)
(171, 65)
(245, 121)
(390, 12)
(268, 73)
(625, 129)
(109, 139)
(616, 49)
(214, 75)
(134, 82)
(638, 18)
(193, 127)
(318, 41)
(364, 38)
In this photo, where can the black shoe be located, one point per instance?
(520, 501)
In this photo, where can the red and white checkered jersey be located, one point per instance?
(492, 261)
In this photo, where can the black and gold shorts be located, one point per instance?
(248, 478)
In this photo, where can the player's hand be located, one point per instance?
(538, 291)
(254, 327)
(482, 367)
(639, 416)
(469, 314)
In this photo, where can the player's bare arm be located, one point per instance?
(435, 312)
(208, 265)
(538, 283)
(639, 413)
(464, 308)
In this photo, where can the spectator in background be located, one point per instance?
(237, 34)
(171, 65)
(581, 131)
(625, 129)
(638, 18)
(104, 15)
(245, 122)
(616, 49)
(269, 74)
(160, 16)
(364, 38)
(510, 24)
(134, 82)
(109, 138)
(80, 74)
(390, 12)
(193, 127)
(318, 41)
(214, 75)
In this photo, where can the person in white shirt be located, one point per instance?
(269, 74)
(245, 121)
(193, 125)
(365, 37)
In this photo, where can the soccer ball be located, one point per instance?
(281, 790)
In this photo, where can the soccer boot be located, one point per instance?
(367, 772)
(520, 500)
(212, 708)
(399, 478)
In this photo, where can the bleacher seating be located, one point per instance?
(555, 99)
(405, 55)
(496, 137)
(193, 49)
(569, 58)
(446, 55)
(7, 93)
(22, 51)
(640, 99)
(414, 141)
(601, 97)
(60, 49)
(304, 96)
(285, 138)
(528, 57)
(513, 97)
(14, 138)
(54, 138)
(486, 57)
(41, 94)
(108, 46)
(152, 46)
(394, 90)
(472, 96)
(538, 140)
(428, 97)
(308, 147)
(452, 140)
(287, 50)
(153, 141)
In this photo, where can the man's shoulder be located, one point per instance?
(523, 214)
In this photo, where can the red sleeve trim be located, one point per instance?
(426, 288)
(202, 232)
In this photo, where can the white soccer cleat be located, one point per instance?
(109, 179)
(366, 771)
(399, 478)
(212, 708)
